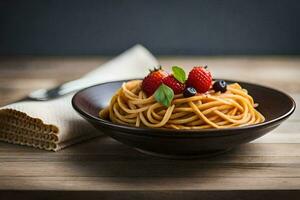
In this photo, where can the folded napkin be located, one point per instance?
(53, 125)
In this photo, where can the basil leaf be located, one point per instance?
(164, 95)
(179, 74)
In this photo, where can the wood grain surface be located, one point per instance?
(102, 168)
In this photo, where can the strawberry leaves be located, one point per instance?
(164, 95)
(179, 74)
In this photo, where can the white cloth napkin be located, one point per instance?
(53, 125)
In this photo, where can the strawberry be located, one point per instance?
(174, 84)
(153, 80)
(200, 79)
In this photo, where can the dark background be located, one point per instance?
(107, 27)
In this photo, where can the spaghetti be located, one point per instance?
(234, 108)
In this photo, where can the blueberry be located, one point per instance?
(220, 86)
(189, 92)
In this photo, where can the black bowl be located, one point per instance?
(276, 106)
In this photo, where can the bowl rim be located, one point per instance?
(179, 132)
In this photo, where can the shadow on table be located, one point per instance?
(105, 157)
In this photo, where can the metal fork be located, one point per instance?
(58, 91)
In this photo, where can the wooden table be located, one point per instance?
(268, 168)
